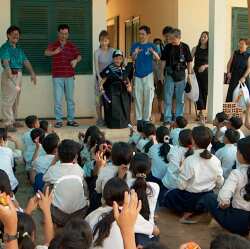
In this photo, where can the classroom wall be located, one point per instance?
(39, 99)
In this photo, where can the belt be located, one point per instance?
(15, 71)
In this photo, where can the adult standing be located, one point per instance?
(102, 58)
(13, 59)
(176, 58)
(200, 55)
(238, 68)
(65, 57)
(143, 53)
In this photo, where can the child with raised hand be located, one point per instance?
(200, 174)
(136, 134)
(146, 191)
(236, 123)
(148, 137)
(121, 156)
(176, 157)
(158, 154)
(232, 206)
(67, 178)
(44, 124)
(7, 159)
(41, 163)
(102, 221)
(179, 124)
(31, 122)
(227, 154)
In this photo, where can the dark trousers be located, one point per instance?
(233, 219)
(143, 239)
(39, 183)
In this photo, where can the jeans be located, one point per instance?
(64, 86)
(169, 88)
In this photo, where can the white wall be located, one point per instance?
(39, 99)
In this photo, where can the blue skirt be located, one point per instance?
(183, 201)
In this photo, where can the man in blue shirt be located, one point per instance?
(143, 53)
(13, 59)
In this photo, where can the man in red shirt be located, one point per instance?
(65, 57)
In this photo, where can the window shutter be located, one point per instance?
(239, 25)
(38, 21)
(32, 18)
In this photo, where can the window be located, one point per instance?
(39, 20)
(131, 33)
(113, 30)
(239, 25)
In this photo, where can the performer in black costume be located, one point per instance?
(116, 89)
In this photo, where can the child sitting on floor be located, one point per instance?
(227, 154)
(200, 174)
(236, 123)
(179, 124)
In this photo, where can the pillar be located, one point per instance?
(217, 47)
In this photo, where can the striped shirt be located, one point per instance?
(61, 66)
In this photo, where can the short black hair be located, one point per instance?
(44, 124)
(146, 29)
(31, 120)
(232, 135)
(121, 153)
(221, 117)
(176, 32)
(50, 143)
(13, 28)
(63, 26)
(68, 150)
(3, 134)
(236, 122)
(140, 125)
(5, 186)
(167, 30)
(181, 122)
(38, 132)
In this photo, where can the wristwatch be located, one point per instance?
(8, 237)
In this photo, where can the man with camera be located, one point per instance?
(176, 58)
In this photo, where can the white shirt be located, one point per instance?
(153, 193)
(42, 163)
(114, 240)
(227, 156)
(174, 135)
(105, 174)
(242, 135)
(234, 187)
(158, 165)
(221, 133)
(199, 174)
(7, 164)
(69, 186)
(176, 156)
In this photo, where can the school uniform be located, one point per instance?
(176, 156)
(174, 135)
(114, 240)
(227, 156)
(135, 138)
(7, 164)
(106, 174)
(235, 218)
(221, 133)
(141, 144)
(197, 177)
(242, 135)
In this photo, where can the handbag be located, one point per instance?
(241, 96)
(194, 92)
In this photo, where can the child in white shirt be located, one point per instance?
(227, 154)
(7, 160)
(136, 135)
(158, 154)
(41, 164)
(232, 207)
(32, 122)
(236, 123)
(200, 174)
(106, 232)
(121, 155)
(179, 124)
(176, 157)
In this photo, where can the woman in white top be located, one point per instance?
(200, 174)
(232, 207)
(176, 156)
(102, 58)
(158, 154)
(102, 222)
